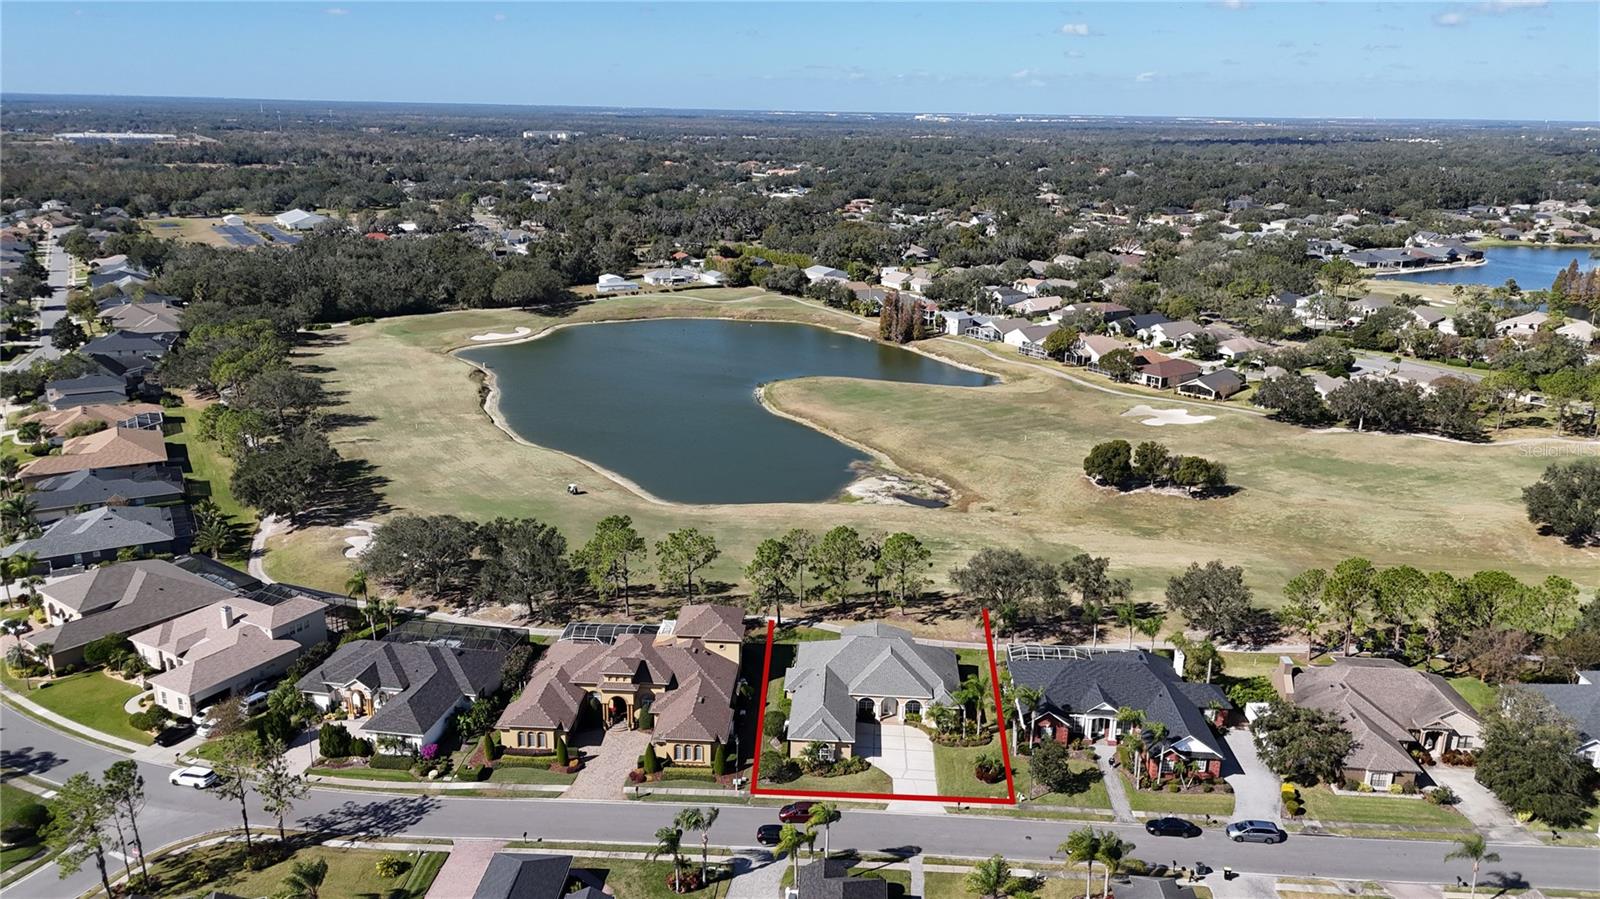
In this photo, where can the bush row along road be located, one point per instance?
(174, 813)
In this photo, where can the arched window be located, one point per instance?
(913, 707)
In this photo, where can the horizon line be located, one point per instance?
(1198, 118)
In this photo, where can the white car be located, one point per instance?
(194, 776)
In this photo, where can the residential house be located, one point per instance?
(406, 693)
(1235, 348)
(120, 450)
(1581, 703)
(1083, 692)
(685, 672)
(830, 878)
(1367, 306)
(1432, 319)
(873, 672)
(85, 390)
(133, 416)
(116, 599)
(102, 535)
(522, 875)
(992, 329)
(299, 220)
(1177, 333)
(957, 321)
(1326, 384)
(713, 277)
(615, 284)
(226, 647)
(1217, 385)
(1134, 325)
(1091, 347)
(1106, 312)
(125, 276)
(1582, 331)
(1522, 325)
(59, 496)
(671, 276)
(1035, 305)
(1153, 369)
(1029, 340)
(817, 273)
(894, 278)
(1001, 297)
(1390, 709)
(159, 319)
(125, 353)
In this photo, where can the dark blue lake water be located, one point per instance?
(672, 406)
(1534, 268)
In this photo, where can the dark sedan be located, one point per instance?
(767, 834)
(795, 812)
(1171, 827)
(175, 734)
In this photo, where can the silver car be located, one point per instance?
(1256, 832)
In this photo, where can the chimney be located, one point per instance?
(227, 615)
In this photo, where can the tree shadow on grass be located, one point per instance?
(356, 492)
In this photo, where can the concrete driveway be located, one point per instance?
(1255, 788)
(904, 753)
(1480, 806)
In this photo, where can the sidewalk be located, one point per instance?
(1114, 787)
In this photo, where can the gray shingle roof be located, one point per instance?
(1580, 702)
(100, 530)
(124, 598)
(1136, 679)
(89, 488)
(423, 682)
(830, 879)
(524, 876)
(868, 660)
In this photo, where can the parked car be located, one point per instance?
(1256, 832)
(253, 703)
(795, 812)
(1171, 827)
(194, 776)
(175, 733)
(17, 626)
(767, 834)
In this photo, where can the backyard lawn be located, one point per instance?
(351, 872)
(1324, 805)
(1478, 694)
(90, 698)
(208, 475)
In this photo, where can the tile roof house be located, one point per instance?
(1580, 330)
(147, 316)
(117, 599)
(225, 647)
(1083, 692)
(1522, 325)
(138, 416)
(1390, 709)
(407, 692)
(100, 535)
(686, 674)
(120, 450)
(1153, 369)
(1217, 385)
(1581, 703)
(1091, 347)
(873, 670)
(57, 496)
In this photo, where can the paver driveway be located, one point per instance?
(902, 752)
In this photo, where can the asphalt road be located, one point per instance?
(51, 309)
(174, 813)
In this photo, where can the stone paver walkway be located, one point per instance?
(1115, 789)
(1481, 807)
(1256, 795)
(756, 875)
(604, 775)
(462, 870)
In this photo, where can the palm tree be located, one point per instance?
(16, 511)
(669, 841)
(1151, 735)
(701, 820)
(1112, 850)
(15, 568)
(971, 691)
(790, 839)
(305, 879)
(822, 815)
(1150, 626)
(1127, 613)
(1025, 700)
(1092, 611)
(1129, 720)
(9, 466)
(989, 877)
(1475, 849)
(213, 537)
(1083, 845)
(356, 584)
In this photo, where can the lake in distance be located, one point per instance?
(1534, 268)
(671, 404)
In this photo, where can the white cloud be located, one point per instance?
(499, 17)
(337, 11)
(1449, 19)
(1145, 76)
(1075, 29)
(1232, 4)
(1074, 54)
(1508, 5)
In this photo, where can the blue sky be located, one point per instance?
(1487, 59)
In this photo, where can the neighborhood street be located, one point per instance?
(51, 309)
(174, 813)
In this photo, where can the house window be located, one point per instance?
(699, 753)
(677, 752)
(825, 752)
(1380, 780)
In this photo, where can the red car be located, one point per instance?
(795, 812)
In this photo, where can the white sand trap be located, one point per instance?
(496, 335)
(1160, 417)
(358, 544)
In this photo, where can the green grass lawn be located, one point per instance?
(1323, 805)
(872, 780)
(389, 774)
(208, 478)
(1181, 804)
(13, 799)
(90, 698)
(636, 879)
(1478, 694)
(351, 872)
(1092, 796)
(526, 775)
(944, 885)
(954, 764)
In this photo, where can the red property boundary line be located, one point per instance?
(1005, 751)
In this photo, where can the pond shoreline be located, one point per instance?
(880, 462)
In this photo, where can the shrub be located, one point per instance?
(562, 757)
(22, 822)
(151, 719)
(1208, 788)
(362, 320)
(391, 866)
(649, 764)
(1443, 796)
(392, 762)
(1352, 784)
(1364, 788)
(774, 723)
(333, 742)
(647, 719)
(989, 768)
(777, 767)
(318, 326)
(111, 647)
(169, 401)
(430, 752)
(1173, 787)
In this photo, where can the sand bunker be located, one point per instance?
(1159, 417)
(358, 544)
(496, 335)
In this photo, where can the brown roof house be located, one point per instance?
(1390, 709)
(1158, 370)
(114, 449)
(225, 647)
(138, 416)
(686, 672)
